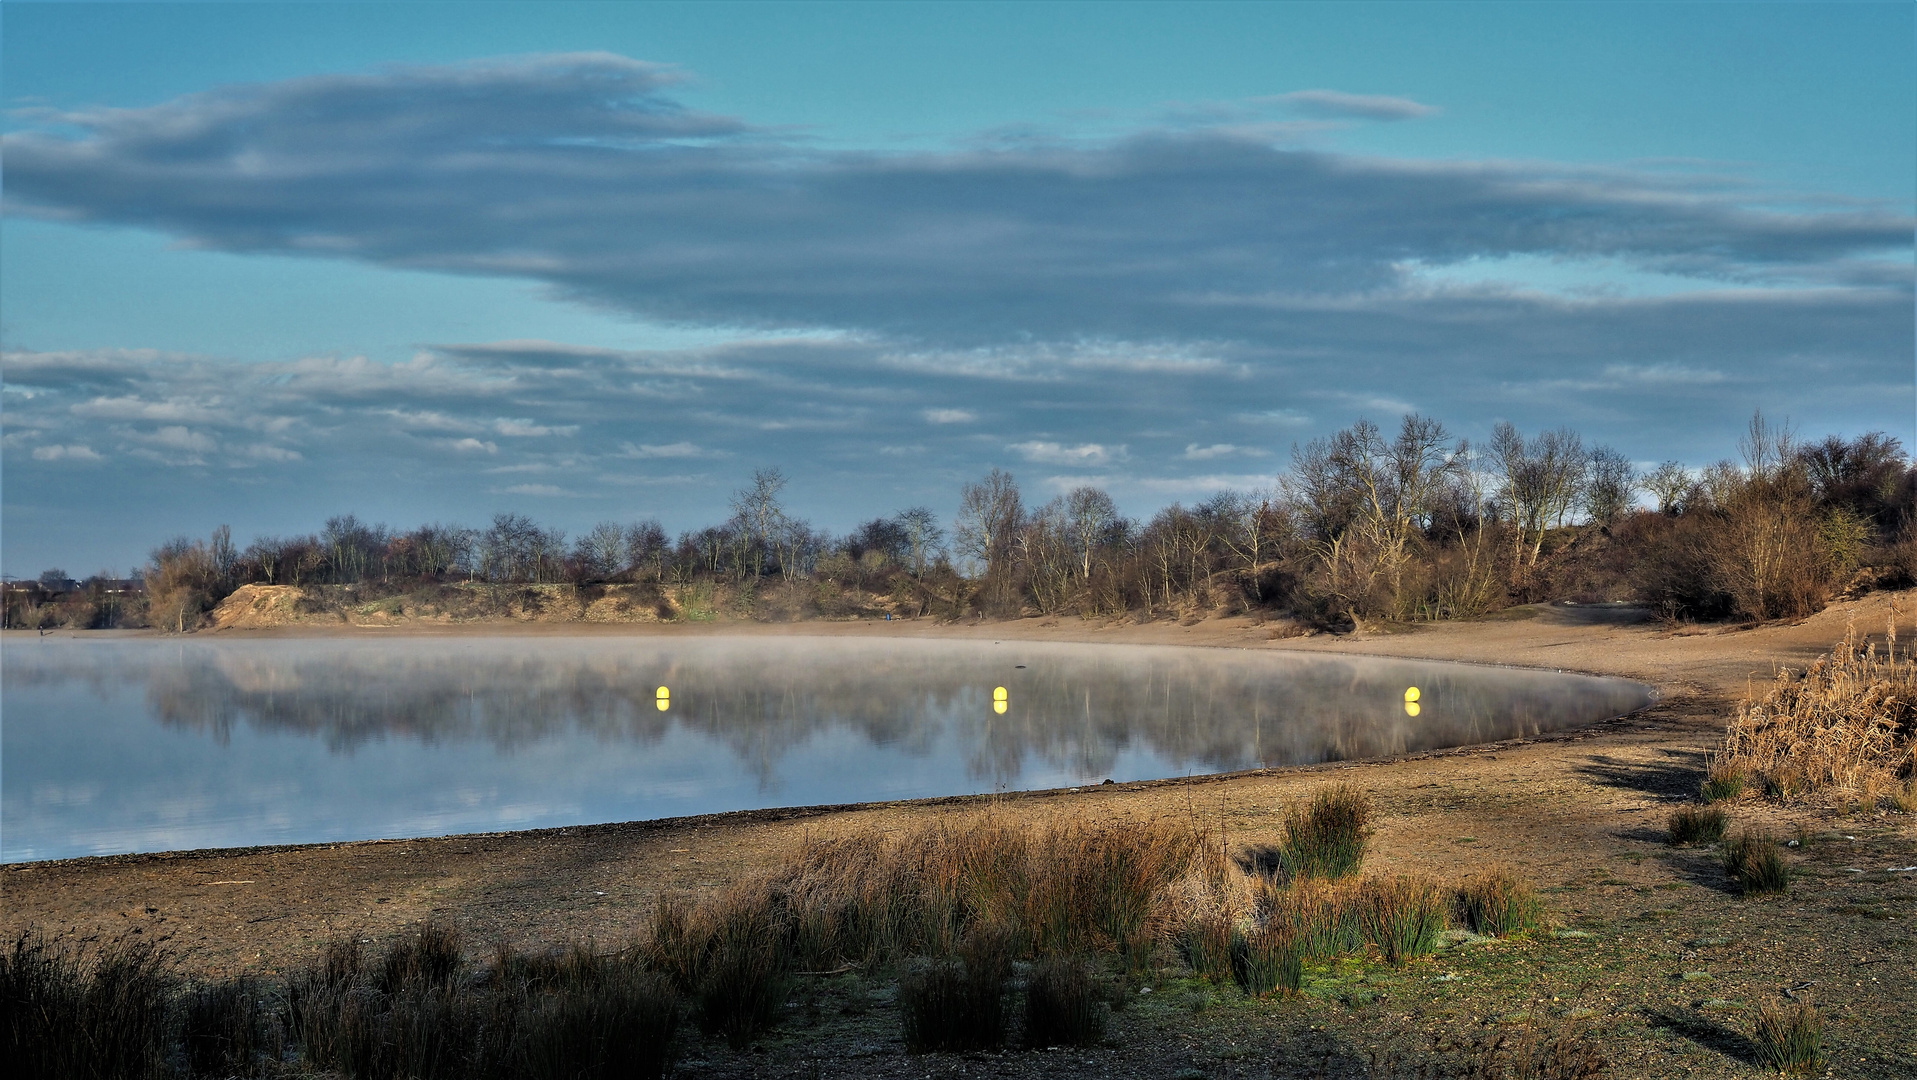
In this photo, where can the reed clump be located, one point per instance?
(1063, 1003)
(1790, 1036)
(1325, 836)
(73, 1012)
(1755, 861)
(1698, 825)
(1723, 779)
(1497, 903)
(1402, 916)
(1267, 960)
(948, 1005)
(1846, 725)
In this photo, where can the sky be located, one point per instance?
(261, 264)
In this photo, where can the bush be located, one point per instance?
(1847, 723)
(1326, 836)
(947, 1005)
(1756, 863)
(1698, 824)
(1267, 960)
(1402, 916)
(1789, 1038)
(66, 1014)
(1497, 902)
(1062, 1004)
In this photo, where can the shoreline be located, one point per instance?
(1579, 813)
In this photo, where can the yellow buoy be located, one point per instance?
(663, 698)
(1412, 694)
(999, 694)
(1411, 708)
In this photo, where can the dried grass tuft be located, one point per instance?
(1698, 824)
(1496, 902)
(1756, 862)
(1790, 1037)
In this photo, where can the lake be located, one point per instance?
(152, 744)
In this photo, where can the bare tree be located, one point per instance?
(1543, 478)
(761, 517)
(923, 536)
(1610, 486)
(1088, 517)
(1670, 484)
(990, 512)
(602, 550)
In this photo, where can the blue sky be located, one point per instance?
(265, 263)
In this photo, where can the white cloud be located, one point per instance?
(1360, 106)
(470, 446)
(522, 429)
(666, 450)
(949, 416)
(269, 452)
(76, 452)
(1084, 454)
(1195, 452)
(544, 490)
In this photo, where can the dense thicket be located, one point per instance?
(1364, 526)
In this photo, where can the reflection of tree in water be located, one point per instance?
(1076, 708)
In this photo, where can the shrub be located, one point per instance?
(1756, 863)
(1723, 779)
(68, 1013)
(1266, 960)
(1790, 1038)
(228, 1029)
(1063, 1006)
(1496, 902)
(1698, 824)
(1326, 836)
(1402, 916)
(945, 1005)
(430, 957)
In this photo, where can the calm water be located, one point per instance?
(151, 745)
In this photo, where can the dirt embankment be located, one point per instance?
(1657, 950)
(266, 607)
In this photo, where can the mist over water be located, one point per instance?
(146, 745)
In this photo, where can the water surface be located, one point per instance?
(123, 745)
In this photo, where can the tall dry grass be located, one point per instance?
(1846, 725)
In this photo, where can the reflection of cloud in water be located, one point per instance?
(1075, 707)
(279, 741)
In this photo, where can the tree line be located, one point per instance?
(1365, 525)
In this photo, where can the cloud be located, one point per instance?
(547, 490)
(668, 450)
(526, 429)
(949, 416)
(1195, 452)
(582, 171)
(1051, 453)
(76, 452)
(470, 445)
(1335, 103)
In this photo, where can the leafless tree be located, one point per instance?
(1670, 484)
(1542, 480)
(1610, 486)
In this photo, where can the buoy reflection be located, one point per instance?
(1411, 708)
(663, 699)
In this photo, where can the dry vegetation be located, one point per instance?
(1845, 728)
(963, 918)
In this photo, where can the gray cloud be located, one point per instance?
(1160, 313)
(580, 171)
